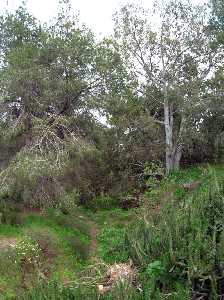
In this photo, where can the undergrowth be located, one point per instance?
(176, 241)
(62, 245)
(186, 238)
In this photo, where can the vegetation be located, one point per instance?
(128, 208)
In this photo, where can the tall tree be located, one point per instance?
(171, 58)
(49, 69)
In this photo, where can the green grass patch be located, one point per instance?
(9, 230)
(64, 241)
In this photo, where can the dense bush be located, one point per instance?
(68, 201)
(186, 239)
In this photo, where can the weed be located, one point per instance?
(112, 245)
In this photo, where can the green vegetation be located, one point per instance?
(131, 207)
(60, 244)
(175, 239)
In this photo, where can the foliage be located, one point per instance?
(155, 269)
(165, 58)
(58, 80)
(65, 173)
(196, 258)
(69, 201)
(153, 172)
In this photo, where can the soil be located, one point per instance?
(93, 234)
(6, 243)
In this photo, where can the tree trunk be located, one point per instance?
(177, 156)
(168, 121)
(173, 151)
(173, 156)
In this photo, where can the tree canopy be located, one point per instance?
(157, 80)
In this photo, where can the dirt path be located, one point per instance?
(94, 231)
(6, 243)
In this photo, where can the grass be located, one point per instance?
(69, 237)
(169, 265)
(54, 291)
(68, 251)
(112, 245)
(9, 230)
(116, 217)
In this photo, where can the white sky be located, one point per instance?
(97, 14)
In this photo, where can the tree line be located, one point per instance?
(158, 80)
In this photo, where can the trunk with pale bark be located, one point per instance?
(173, 150)
(173, 157)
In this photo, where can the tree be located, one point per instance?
(218, 13)
(171, 60)
(212, 125)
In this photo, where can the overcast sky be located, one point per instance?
(97, 14)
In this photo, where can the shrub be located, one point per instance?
(10, 214)
(153, 173)
(187, 237)
(27, 252)
(69, 201)
(102, 202)
(31, 179)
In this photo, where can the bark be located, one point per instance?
(177, 156)
(173, 156)
(169, 137)
(173, 151)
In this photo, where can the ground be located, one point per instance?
(72, 243)
(69, 244)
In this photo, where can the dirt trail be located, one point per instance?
(6, 243)
(94, 231)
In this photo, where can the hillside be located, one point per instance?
(112, 152)
(174, 240)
